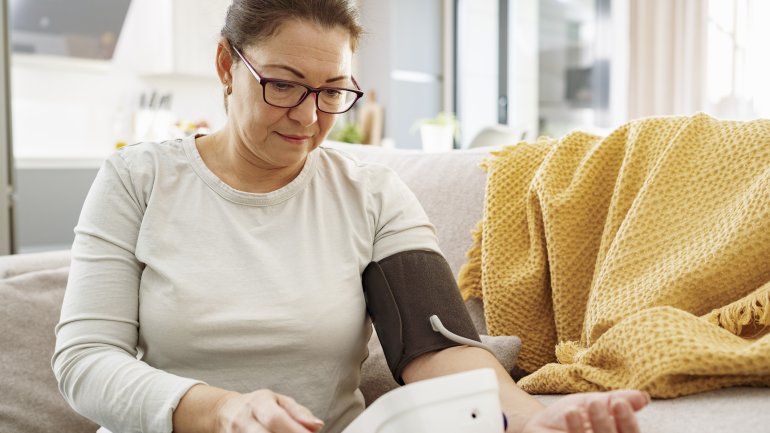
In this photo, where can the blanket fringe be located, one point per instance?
(469, 278)
(750, 311)
(569, 352)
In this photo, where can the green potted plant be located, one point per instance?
(438, 133)
(347, 132)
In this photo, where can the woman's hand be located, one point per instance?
(596, 412)
(264, 411)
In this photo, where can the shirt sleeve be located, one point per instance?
(95, 359)
(400, 221)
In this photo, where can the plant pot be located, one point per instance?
(437, 138)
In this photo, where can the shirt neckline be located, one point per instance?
(249, 198)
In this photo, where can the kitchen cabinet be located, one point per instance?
(171, 37)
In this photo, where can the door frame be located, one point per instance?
(7, 241)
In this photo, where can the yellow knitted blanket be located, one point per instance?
(638, 260)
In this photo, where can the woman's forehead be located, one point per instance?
(303, 45)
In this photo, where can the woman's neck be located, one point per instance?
(239, 169)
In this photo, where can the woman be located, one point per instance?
(216, 279)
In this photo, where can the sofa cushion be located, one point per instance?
(31, 292)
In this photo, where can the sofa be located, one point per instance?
(450, 187)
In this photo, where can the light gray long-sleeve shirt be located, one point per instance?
(178, 279)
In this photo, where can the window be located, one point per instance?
(738, 64)
(539, 67)
(574, 65)
(478, 62)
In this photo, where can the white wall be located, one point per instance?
(79, 109)
(67, 117)
(67, 108)
(401, 59)
(373, 60)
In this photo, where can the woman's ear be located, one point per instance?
(224, 62)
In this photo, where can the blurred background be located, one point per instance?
(82, 77)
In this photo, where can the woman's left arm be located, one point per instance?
(605, 412)
(405, 249)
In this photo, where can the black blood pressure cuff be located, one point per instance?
(402, 292)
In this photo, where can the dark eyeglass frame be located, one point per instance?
(308, 89)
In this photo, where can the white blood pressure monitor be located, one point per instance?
(467, 402)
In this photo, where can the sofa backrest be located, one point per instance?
(449, 185)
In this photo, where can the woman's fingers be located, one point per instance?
(265, 411)
(600, 418)
(608, 413)
(625, 421)
(575, 421)
(276, 419)
(637, 399)
(300, 413)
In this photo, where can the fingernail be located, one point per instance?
(595, 408)
(621, 409)
(310, 419)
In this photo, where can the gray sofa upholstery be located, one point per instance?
(450, 187)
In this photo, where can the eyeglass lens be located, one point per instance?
(287, 94)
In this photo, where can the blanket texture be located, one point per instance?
(639, 260)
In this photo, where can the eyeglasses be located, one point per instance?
(289, 94)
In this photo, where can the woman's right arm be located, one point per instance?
(95, 360)
(96, 339)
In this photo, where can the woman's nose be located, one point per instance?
(306, 112)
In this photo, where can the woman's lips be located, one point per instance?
(295, 139)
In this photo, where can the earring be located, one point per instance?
(228, 89)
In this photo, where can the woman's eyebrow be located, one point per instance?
(301, 75)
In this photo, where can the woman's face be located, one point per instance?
(302, 51)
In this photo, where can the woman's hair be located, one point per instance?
(252, 21)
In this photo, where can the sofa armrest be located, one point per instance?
(18, 264)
